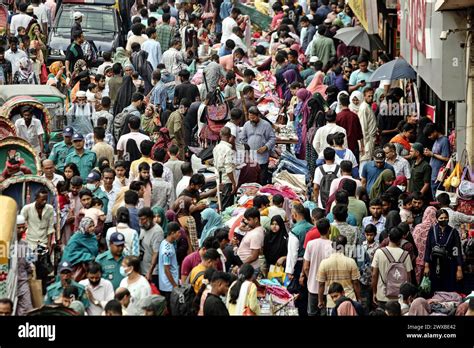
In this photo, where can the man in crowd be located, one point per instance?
(98, 290)
(373, 169)
(420, 173)
(30, 129)
(84, 159)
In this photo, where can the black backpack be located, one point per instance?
(325, 185)
(182, 298)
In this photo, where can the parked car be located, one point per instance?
(101, 24)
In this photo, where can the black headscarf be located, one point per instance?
(124, 95)
(392, 220)
(143, 67)
(275, 245)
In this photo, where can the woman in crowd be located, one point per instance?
(356, 98)
(150, 120)
(382, 184)
(134, 282)
(70, 170)
(443, 255)
(302, 114)
(82, 247)
(212, 221)
(25, 74)
(242, 296)
(275, 244)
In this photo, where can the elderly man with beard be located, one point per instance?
(99, 291)
(79, 117)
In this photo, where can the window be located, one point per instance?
(97, 23)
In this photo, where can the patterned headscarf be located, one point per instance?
(86, 222)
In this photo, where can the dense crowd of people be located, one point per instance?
(356, 225)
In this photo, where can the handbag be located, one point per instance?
(454, 179)
(466, 187)
(443, 171)
(425, 285)
(208, 11)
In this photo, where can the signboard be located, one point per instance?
(366, 12)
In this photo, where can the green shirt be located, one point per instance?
(55, 290)
(420, 175)
(59, 153)
(110, 268)
(85, 163)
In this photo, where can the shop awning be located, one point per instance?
(366, 12)
(446, 5)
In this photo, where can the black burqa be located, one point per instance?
(143, 68)
(275, 245)
(124, 95)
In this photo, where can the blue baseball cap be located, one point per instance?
(65, 266)
(77, 137)
(93, 177)
(117, 238)
(68, 132)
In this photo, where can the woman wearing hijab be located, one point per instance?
(443, 255)
(160, 217)
(142, 66)
(25, 74)
(124, 95)
(419, 307)
(392, 220)
(150, 119)
(162, 142)
(82, 247)
(213, 223)
(290, 76)
(121, 57)
(275, 243)
(242, 295)
(420, 235)
(336, 106)
(383, 182)
(301, 114)
(317, 86)
(356, 99)
(57, 78)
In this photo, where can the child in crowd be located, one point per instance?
(277, 207)
(230, 91)
(405, 212)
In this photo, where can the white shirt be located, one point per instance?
(56, 178)
(238, 42)
(137, 136)
(318, 176)
(103, 292)
(182, 184)
(111, 195)
(224, 161)
(31, 132)
(19, 20)
(320, 138)
(138, 291)
(153, 48)
(14, 58)
(292, 256)
(227, 25)
(41, 13)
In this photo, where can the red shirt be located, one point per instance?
(350, 122)
(311, 235)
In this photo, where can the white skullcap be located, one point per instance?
(20, 219)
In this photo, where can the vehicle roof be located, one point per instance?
(10, 91)
(90, 2)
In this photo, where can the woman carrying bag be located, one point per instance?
(443, 255)
(242, 297)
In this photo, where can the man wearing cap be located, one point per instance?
(55, 290)
(84, 159)
(374, 168)
(49, 172)
(111, 260)
(259, 138)
(93, 184)
(76, 26)
(420, 173)
(24, 269)
(62, 149)
(80, 115)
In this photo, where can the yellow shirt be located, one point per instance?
(196, 283)
(134, 167)
(251, 301)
